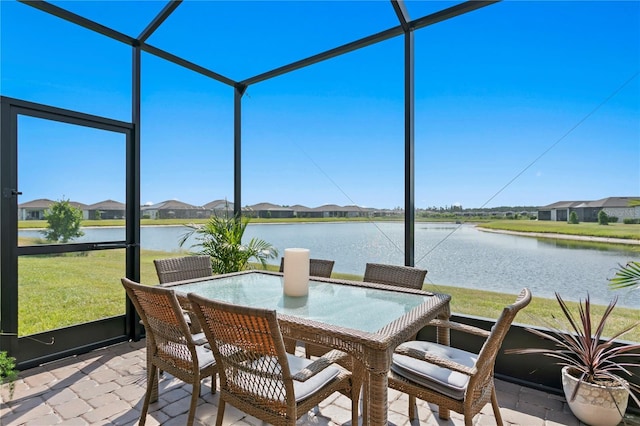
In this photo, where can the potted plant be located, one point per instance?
(592, 365)
(8, 373)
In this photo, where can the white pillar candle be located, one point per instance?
(296, 272)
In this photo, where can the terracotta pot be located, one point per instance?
(595, 405)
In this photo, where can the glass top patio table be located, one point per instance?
(327, 302)
(366, 320)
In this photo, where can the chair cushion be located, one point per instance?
(305, 389)
(205, 357)
(200, 339)
(442, 380)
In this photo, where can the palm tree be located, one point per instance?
(221, 239)
(626, 276)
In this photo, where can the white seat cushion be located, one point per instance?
(200, 339)
(443, 380)
(305, 389)
(302, 390)
(205, 357)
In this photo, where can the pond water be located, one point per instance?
(456, 255)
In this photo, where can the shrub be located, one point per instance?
(63, 222)
(603, 219)
(573, 218)
(8, 373)
(613, 219)
(630, 221)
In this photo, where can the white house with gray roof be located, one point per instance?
(173, 209)
(107, 209)
(587, 211)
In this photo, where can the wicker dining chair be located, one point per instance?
(170, 344)
(257, 375)
(452, 378)
(400, 276)
(182, 268)
(317, 267)
(395, 275)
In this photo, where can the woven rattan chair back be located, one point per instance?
(170, 345)
(489, 351)
(317, 267)
(401, 276)
(480, 389)
(183, 268)
(253, 364)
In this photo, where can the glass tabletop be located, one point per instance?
(360, 308)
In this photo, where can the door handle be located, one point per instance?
(8, 192)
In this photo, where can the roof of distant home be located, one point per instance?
(604, 202)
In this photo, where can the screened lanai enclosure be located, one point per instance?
(129, 104)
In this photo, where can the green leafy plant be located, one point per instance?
(573, 218)
(626, 276)
(596, 359)
(63, 222)
(8, 373)
(221, 239)
(603, 218)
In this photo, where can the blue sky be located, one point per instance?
(518, 103)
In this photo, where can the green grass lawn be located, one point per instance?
(58, 291)
(613, 230)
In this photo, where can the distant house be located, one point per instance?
(34, 210)
(385, 212)
(357, 211)
(220, 208)
(587, 211)
(305, 212)
(333, 210)
(173, 209)
(268, 211)
(107, 209)
(619, 207)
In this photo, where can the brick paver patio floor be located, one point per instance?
(106, 387)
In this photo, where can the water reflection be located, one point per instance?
(570, 244)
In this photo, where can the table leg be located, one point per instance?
(376, 399)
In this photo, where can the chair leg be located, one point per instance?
(496, 407)
(214, 377)
(412, 408)
(195, 394)
(220, 415)
(147, 395)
